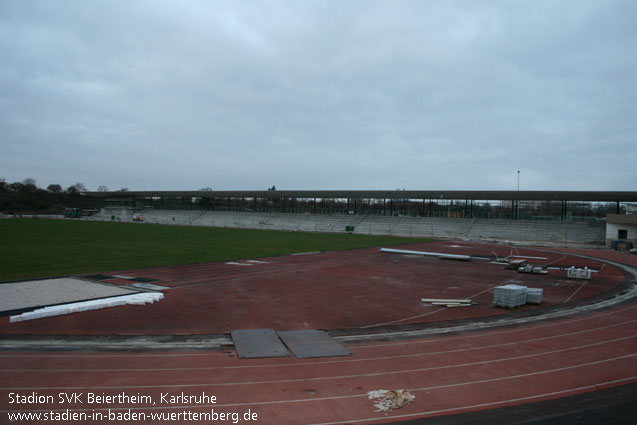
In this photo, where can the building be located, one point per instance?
(622, 227)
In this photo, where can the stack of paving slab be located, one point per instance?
(509, 296)
(534, 295)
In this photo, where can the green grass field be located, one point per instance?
(40, 248)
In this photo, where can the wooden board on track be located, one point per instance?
(258, 343)
(307, 344)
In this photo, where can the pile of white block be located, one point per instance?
(511, 295)
(577, 273)
(530, 268)
(534, 295)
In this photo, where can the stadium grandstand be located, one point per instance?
(553, 217)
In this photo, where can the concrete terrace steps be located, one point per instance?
(531, 231)
(546, 231)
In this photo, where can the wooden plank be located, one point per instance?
(445, 300)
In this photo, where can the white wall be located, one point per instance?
(612, 232)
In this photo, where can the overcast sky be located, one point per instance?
(430, 95)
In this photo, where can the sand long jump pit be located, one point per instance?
(32, 299)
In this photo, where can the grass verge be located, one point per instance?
(32, 248)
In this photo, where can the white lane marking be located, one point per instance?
(401, 356)
(516, 330)
(481, 406)
(482, 381)
(363, 375)
(436, 311)
(354, 346)
(575, 292)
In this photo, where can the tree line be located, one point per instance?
(27, 197)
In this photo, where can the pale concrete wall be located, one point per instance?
(615, 222)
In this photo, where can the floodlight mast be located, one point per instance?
(518, 201)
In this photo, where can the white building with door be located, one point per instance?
(621, 227)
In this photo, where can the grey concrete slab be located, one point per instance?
(313, 343)
(150, 286)
(258, 343)
(38, 293)
(144, 279)
(98, 276)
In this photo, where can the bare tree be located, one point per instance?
(28, 185)
(102, 188)
(76, 188)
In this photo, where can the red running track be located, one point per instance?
(335, 290)
(448, 375)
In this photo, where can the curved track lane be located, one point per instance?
(450, 374)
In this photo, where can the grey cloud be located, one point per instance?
(327, 94)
